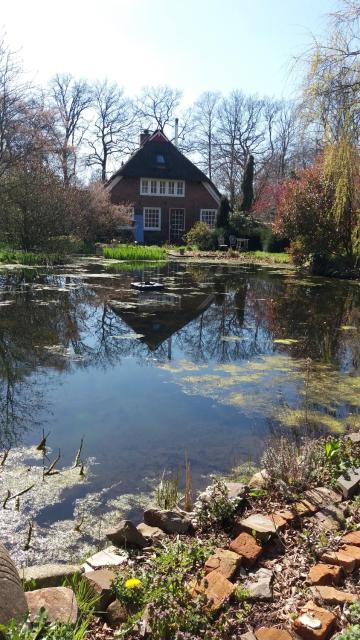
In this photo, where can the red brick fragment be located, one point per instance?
(327, 574)
(247, 547)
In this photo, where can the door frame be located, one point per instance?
(171, 209)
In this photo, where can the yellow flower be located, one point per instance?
(132, 583)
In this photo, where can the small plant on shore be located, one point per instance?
(339, 457)
(353, 612)
(131, 591)
(351, 633)
(291, 466)
(167, 491)
(214, 506)
(41, 628)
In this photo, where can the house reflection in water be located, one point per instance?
(159, 315)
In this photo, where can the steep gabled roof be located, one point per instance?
(143, 163)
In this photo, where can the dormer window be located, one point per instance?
(151, 187)
(160, 159)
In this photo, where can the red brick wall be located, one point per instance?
(196, 198)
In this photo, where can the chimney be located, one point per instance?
(144, 136)
(176, 140)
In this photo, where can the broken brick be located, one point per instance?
(314, 623)
(341, 559)
(330, 595)
(327, 574)
(247, 547)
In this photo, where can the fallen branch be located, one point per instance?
(50, 471)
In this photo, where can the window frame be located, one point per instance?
(146, 210)
(206, 211)
(171, 187)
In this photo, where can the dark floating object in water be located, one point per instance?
(147, 285)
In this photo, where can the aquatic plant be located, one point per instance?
(134, 252)
(9, 256)
(167, 491)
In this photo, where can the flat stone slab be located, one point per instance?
(272, 633)
(326, 574)
(105, 558)
(323, 496)
(59, 603)
(330, 595)
(350, 484)
(354, 552)
(216, 588)
(314, 623)
(341, 559)
(352, 538)
(259, 585)
(225, 561)
(100, 582)
(12, 599)
(246, 546)
(248, 636)
(261, 524)
(49, 575)
(354, 437)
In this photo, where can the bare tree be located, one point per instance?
(156, 107)
(112, 129)
(69, 100)
(205, 120)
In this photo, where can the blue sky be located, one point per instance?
(194, 45)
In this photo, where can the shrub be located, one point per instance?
(290, 466)
(201, 235)
(214, 506)
(351, 633)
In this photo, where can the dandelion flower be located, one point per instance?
(132, 583)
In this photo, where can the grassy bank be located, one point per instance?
(30, 258)
(134, 252)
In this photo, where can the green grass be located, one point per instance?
(15, 256)
(279, 258)
(134, 252)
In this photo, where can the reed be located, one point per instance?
(134, 252)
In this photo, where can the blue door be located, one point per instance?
(139, 228)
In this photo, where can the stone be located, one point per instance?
(49, 575)
(225, 561)
(314, 623)
(106, 558)
(341, 559)
(261, 524)
(12, 599)
(304, 508)
(352, 538)
(349, 484)
(100, 583)
(272, 633)
(323, 497)
(330, 595)
(168, 521)
(325, 574)
(354, 552)
(354, 437)
(259, 585)
(287, 515)
(116, 614)
(152, 534)
(235, 489)
(126, 534)
(259, 480)
(326, 521)
(248, 636)
(58, 602)
(246, 546)
(216, 588)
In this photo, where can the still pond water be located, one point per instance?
(213, 364)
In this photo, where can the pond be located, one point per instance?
(208, 368)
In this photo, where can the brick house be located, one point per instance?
(167, 191)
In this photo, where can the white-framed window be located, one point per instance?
(208, 216)
(150, 186)
(152, 219)
(144, 185)
(180, 188)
